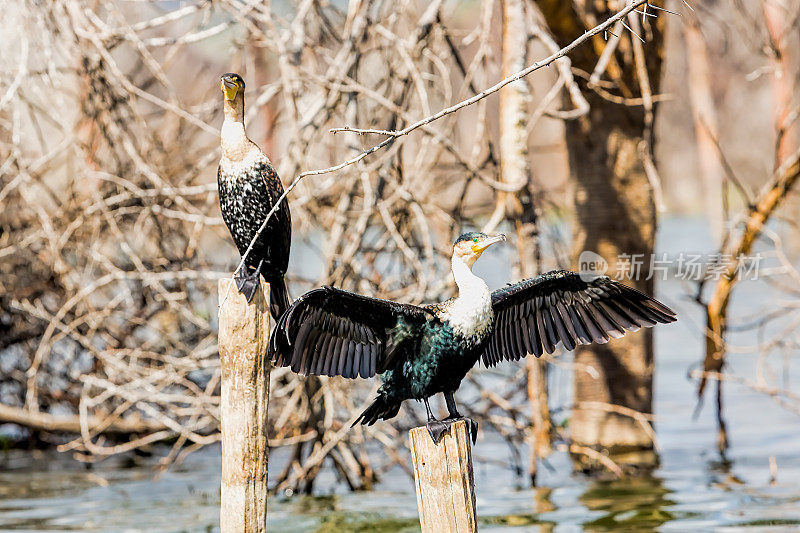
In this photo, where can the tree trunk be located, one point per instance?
(615, 217)
(518, 207)
(609, 150)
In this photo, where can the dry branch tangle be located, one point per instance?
(770, 199)
(392, 135)
(110, 238)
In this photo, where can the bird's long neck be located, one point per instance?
(469, 285)
(470, 313)
(233, 140)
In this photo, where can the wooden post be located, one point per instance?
(444, 481)
(243, 339)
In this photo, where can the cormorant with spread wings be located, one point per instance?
(423, 350)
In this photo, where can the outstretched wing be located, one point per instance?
(534, 315)
(331, 332)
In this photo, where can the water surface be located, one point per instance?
(693, 489)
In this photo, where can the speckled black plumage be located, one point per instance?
(249, 188)
(246, 195)
(419, 353)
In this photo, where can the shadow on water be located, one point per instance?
(331, 513)
(627, 505)
(366, 522)
(541, 505)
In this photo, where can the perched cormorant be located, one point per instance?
(423, 350)
(248, 189)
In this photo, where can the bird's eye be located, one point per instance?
(474, 239)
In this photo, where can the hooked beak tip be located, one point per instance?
(488, 242)
(500, 237)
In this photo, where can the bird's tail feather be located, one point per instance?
(383, 407)
(278, 297)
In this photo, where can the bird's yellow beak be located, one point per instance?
(229, 88)
(480, 246)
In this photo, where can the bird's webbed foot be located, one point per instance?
(472, 426)
(437, 429)
(247, 281)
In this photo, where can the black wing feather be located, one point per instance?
(352, 366)
(336, 349)
(565, 319)
(299, 347)
(333, 332)
(541, 328)
(522, 327)
(330, 354)
(566, 339)
(319, 362)
(533, 333)
(351, 353)
(594, 329)
(347, 346)
(535, 315)
(516, 338)
(580, 328)
(510, 348)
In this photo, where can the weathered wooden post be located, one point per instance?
(444, 480)
(243, 339)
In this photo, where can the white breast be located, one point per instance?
(471, 314)
(232, 168)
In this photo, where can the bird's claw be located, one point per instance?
(247, 283)
(437, 428)
(472, 426)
